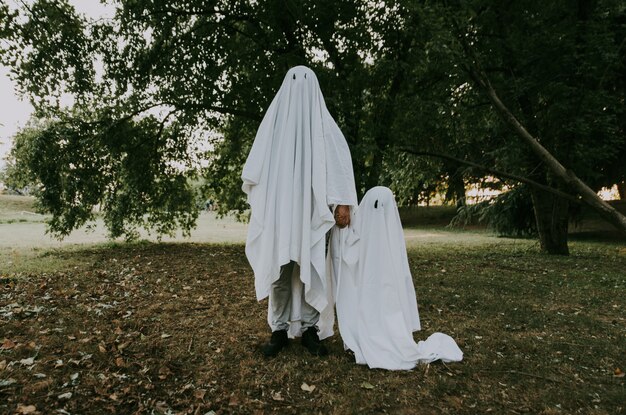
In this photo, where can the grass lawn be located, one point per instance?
(18, 209)
(175, 328)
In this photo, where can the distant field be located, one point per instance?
(18, 209)
(427, 216)
(586, 224)
(22, 228)
(14, 203)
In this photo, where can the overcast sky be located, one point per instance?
(14, 112)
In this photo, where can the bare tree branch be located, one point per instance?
(587, 194)
(497, 173)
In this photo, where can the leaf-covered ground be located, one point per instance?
(175, 328)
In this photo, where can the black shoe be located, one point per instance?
(277, 342)
(312, 342)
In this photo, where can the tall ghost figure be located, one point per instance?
(298, 172)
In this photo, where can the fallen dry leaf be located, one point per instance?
(66, 395)
(307, 388)
(218, 375)
(8, 344)
(27, 362)
(164, 372)
(7, 382)
(199, 394)
(119, 362)
(3, 365)
(26, 409)
(41, 385)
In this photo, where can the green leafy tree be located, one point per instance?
(128, 171)
(397, 76)
(556, 66)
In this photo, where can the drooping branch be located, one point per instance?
(216, 108)
(495, 172)
(473, 68)
(236, 111)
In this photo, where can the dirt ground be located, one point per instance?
(175, 329)
(92, 326)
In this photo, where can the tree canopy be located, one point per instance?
(161, 76)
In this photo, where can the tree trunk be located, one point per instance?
(373, 171)
(456, 187)
(460, 197)
(605, 210)
(494, 172)
(621, 189)
(572, 181)
(552, 216)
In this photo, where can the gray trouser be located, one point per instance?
(280, 302)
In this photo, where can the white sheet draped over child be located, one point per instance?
(375, 298)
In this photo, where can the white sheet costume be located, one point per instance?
(376, 306)
(298, 167)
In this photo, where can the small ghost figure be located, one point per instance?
(375, 298)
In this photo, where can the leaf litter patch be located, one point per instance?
(176, 329)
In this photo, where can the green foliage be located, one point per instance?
(393, 75)
(412, 179)
(508, 214)
(557, 67)
(224, 170)
(125, 169)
